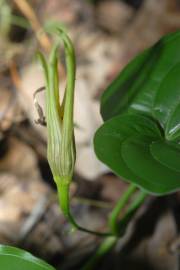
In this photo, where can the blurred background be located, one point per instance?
(106, 35)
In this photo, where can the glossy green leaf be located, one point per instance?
(136, 86)
(167, 154)
(12, 258)
(136, 154)
(140, 139)
(172, 130)
(108, 143)
(166, 106)
(117, 94)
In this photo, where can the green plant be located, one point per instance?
(12, 258)
(139, 139)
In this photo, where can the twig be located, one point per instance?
(16, 79)
(28, 12)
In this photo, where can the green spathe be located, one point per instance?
(59, 113)
(60, 128)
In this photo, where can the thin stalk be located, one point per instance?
(105, 247)
(119, 206)
(63, 192)
(122, 224)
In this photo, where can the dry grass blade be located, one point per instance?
(28, 12)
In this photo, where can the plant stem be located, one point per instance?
(119, 206)
(102, 250)
(110, 242)
(122, 224)
(63, 193)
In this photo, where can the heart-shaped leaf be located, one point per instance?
(12, 258)
(129, 143)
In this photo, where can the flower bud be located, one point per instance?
(59, 113)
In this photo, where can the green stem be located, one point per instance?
(63, 194)
(107, 245)
(122, 224)
(119, 206)
(102, 250)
